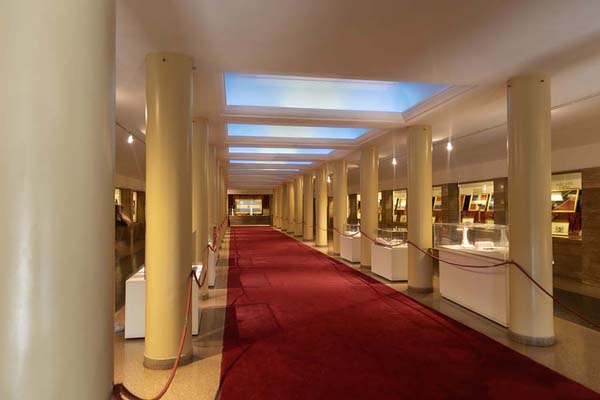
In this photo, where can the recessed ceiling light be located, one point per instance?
(278, 150)
(449, 146)
(328, 179)
(130, 139)
(394, 161)
(274, 162)
(295, 132)
(326, 93)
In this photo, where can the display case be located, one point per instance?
(482, 288)
(399, 199)
(350, 243)
(566, 205)
(392, 236)
(476, 202)
(389, 254)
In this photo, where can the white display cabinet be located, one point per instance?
(482, 290)
(350, 243)
(389, 254)
(135, 305)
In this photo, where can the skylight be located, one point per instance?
(278, 150)
(270, 162)
(265, 169)
(326, 93)
(295, 132)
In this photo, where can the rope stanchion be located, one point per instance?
(120, 392)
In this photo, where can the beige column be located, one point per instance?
(340, 201)
(321, 203)
(274, 208)
(529, 174)
(369, 183)
(56, 206)
(420, 267)
(291, 208)
(211, 190)
(308, 187)
(200, 196)
(285, 211)
(299, 202)
(169, 206)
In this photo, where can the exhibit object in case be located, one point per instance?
(482, 290)
(389, 254)
(135, 304)
(350, 243)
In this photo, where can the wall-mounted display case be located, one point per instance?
(566, 205)
(476, 202)
(399, 200)
(436, 204)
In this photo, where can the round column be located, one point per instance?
(299, 202)
(420, 266)
(529, 175)
(285, 211)
(340, 201)
(291, 208)
(321, 203)
(169, 206)
(57, 206)
(200, 196)
(274, 207)
(308, 186)
(369, 182)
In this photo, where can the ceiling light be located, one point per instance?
(449, 146)
(278, 150)
(130, 139)
(303, 92)
(273, 162)
(328, 179)
(295, 132)
(394, 161)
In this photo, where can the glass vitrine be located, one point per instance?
(352, 229)
(392, 236)
(480, 239)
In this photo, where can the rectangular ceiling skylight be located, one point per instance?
(295, 132)
(326, 93)
(265, 170)
(278, 150)
(270, 162)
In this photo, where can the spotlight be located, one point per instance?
(449, 146)
(394, 161)
(130, 139)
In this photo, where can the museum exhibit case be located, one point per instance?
(566, 205)
(350, 243)
(476, 202)
(399, 199)
(482, 289)
(249, 209)
(389, 254)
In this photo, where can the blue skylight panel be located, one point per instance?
(266, 170)
(326, 93)
(278, 150)
(295, 132)
(270, 162)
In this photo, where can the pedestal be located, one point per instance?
(390, 262)
(350, 248)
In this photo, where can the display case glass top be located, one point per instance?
(352, 229)
(489, 240)
(392, 236)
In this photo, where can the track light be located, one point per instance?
(449, 146)
(130, 139)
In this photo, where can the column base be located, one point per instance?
(168, 363)
(415, 289)
(365, 267)
(531, 340)
(335, 254)
(321, 245)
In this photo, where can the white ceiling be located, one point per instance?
(475, 43)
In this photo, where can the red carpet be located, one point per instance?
(300, 325)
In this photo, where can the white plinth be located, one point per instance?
(135, 306)
(212, 268)
(484, 291)
(350, 248)
(390, 262)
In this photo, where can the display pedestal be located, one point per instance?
(350, 248)
(482, 290)
(390, 262)
(135, 305)
(212, 267)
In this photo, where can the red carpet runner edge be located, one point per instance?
(300, 325)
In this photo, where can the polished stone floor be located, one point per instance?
(575, 354)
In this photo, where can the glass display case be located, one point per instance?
(566, 205)
(477, 202)
(352, 230)
(392, 236)
(481, 239)
(399, 200)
